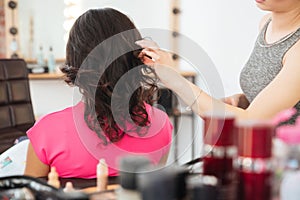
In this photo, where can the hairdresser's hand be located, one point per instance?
(232, 100)
(237, 100)
(160, 60)
(152, 54)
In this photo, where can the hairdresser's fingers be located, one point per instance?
(227, 100)
(151, 54)
(146, 59)
(233, 101)
(147, 49)
(147, 44)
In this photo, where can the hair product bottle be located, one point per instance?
(102, 175)
(51, 61)
(220, 151)
(254, 160)
(40, 57)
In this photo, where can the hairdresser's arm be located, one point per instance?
(281, 93)
(240, 100)
(34, 167)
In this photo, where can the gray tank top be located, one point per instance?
(265, 63)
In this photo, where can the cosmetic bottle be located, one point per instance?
(220, 150)
(102, 175)
(40, 57)
(51, 61)
(254, 161)
(130, 168)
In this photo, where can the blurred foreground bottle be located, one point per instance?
(220, 151)
(254, 161)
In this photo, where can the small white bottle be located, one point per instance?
(51, 61)
(40, 57)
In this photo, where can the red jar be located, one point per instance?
(220, 151)
(254, 161)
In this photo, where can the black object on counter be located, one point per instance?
(203, 187)
(130, 167)
(28, 187)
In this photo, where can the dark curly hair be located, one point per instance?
(99, 52)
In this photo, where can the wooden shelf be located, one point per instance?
(52, 76)
(34, 61)
(45, 76)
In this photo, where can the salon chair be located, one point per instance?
(16, 111)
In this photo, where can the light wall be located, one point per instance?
(226, 30)
(145, 14)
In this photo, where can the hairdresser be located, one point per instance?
(270, 80)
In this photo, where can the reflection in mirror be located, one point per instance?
(43, 23)
(41, 27)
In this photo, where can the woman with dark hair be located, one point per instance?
(115, 117)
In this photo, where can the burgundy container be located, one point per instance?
(220, 151)
(218, 129)
(254, 160)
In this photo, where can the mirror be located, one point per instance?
(41, 23)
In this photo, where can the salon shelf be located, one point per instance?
(46, 76)
(51, 76)
(34, 61)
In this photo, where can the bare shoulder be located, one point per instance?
(264, 20)
(34, 167)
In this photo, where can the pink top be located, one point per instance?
(62, 139)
